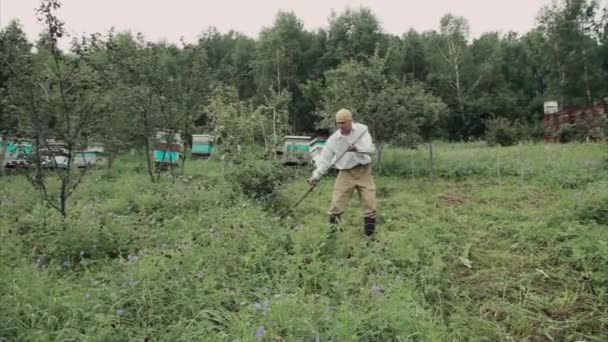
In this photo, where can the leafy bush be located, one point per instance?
(566, 133)
(257, 179)
(594, 206)
(500, 131)
(75, 241)
(597, 212)
(530, 131)
(580, 131)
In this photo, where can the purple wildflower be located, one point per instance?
(259, 333)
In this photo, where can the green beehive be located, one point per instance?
(295, 150)
(17, 153)
(91, 156)
(202, 145)
(166, 156)
(167, 148)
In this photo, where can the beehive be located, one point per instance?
(296, 149)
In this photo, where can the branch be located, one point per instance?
(443, 54)
(78, 180)
(38, 179)
(473, 86)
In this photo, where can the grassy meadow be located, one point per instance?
(496, 244)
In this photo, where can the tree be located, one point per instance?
(279, 63)
(453, 76)
(275, 115)
(408, 56)
(189, 89)
(569, 30)
(58, 97)
(129, 74)
(164, 85)
(115, 133)
(395, 112)
(233, 122)
(354, 34)
(14, 50)
(492, 95)
(230, 59)
(429, 113)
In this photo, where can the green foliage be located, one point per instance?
(233, 121)
(553, 164)
(594, 206)
(275, 115)
(530, 131)
(500, 75)
(54, 96)
(582, 130)
(501, 131)
(395, 112)
(566, 133)
(354, 35)
(258, 179)
(15, 51)
(190, 261)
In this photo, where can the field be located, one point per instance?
(497, 244)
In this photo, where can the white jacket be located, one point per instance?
(337, 144)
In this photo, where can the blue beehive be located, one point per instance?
(167, 148)
(202, 145)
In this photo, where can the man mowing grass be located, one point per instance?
(350, 149)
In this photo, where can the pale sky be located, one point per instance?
(171, 19)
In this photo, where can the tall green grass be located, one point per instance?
(571, 165)
(478, 253)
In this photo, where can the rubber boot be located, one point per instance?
(334, 219)
(369, 225)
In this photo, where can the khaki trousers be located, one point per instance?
(359, 178)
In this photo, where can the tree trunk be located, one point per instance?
(459, 94)
(148, 159)
(274, 131)
(168, 143)
(380, 150)
(147, 144)
(431, 164)
(185, 145)
(413, 67)
(112, 157)
(562, 73)
(63, 199)
(586, 77)
(184, 152)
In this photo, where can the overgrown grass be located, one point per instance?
(482, 252)
(570, 165)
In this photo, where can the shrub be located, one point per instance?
(257, 179)
(594, 207)
(500, 131)
(530, 131)
(566, 133)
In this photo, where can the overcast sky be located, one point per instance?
(171, 19)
